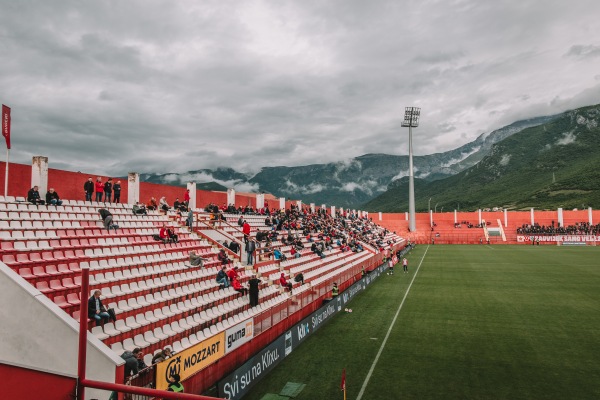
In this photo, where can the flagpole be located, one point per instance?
(6, 174)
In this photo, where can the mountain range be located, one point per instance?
(555, 164)
(348, 183)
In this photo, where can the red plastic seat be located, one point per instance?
(56, 285)
(9, 259)
(43, 287)
(52, 270)
(25, 273)
(73, 299)
(61, 302)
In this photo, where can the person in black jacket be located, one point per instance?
(88, 188)
(95, 309)
(108, 190)
(132, 365)
(33, 196)
(53, 198)
(107, 219)
(117, 192)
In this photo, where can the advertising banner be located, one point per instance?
(239, 334)
(558, 238)
(191, 360)
(238, 383)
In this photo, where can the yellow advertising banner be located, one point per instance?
(190, 361)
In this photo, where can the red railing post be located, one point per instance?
(83, 317)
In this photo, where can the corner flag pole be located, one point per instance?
(6, 134)
(343, 385)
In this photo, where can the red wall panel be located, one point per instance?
(27, 384)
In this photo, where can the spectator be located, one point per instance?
(222, 278)
(234, 246)
(141, 363)
(172, 235)
(162, 355)
(250, 248)
(152, 205)
(96, 310)
(179, 206)
(131, 361)
(299, 278)
(223, 257)
(189, 222)
(108, 190)
(88, 189)
(240, 221)
(284, 283)
(33, 196)
(196, 260)
(53, 198)
(186, 198)
(335, 291)
(233, 274)
(107, 219)
(175, 384)
(246, 230)
(117, 192)
(139, 208)
(167, 235)
(163, 204)
(253, 290)
(99, 189)
(237, 286)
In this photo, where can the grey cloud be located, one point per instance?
(582, 52)
(152, 88)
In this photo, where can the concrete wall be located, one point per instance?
(36, 334)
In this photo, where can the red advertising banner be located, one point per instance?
(6, 124)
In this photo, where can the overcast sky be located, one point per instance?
(169, 86)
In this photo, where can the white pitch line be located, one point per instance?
(366, 382)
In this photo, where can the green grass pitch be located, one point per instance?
(479, 322)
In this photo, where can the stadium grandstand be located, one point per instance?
(55, 257)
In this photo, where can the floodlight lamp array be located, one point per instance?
(411, 117)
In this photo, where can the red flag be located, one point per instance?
(343, 385)
(6, 124)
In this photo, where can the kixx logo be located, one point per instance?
(174, 367)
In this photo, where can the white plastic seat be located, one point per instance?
(121, 326)
(167, 330)
(109, 329)
(117, 348)
(131, 322)
(158, 333)
(176, 327)
(129, 345)
(123, 306)
(99, 333)
(140, 341)
(150, 317)
(149, 337)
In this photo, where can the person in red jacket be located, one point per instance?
(246, 230)
(99, 189)
(285, 283)
(164, 234)
(237, 286)
(233, 274)
(186, 198)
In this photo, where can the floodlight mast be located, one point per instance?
(411, 120)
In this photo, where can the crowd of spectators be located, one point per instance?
(469, 225)
(579, 228)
